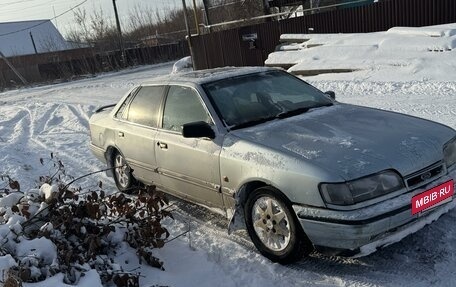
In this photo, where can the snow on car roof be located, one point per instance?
(210, 75)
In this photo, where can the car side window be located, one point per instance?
(120, 112)
(145, 106)
(183, 106)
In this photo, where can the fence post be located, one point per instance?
(189, 34)
(24, 81)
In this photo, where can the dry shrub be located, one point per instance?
(82, 225)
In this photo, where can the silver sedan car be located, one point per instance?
(297, 169)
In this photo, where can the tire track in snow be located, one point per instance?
(9, 128)
(82, 117)
(39, 126)
(57, 128)
(34, 130)
(17, 157)
(308, 271)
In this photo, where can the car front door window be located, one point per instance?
(183, 106)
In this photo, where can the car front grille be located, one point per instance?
(425, 175)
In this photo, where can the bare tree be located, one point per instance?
(99, 26)
(147, 26)
(80, 18)
(220, 11)
(94, 29)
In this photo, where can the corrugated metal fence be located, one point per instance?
(232, 47)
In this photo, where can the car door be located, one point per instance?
(137, 129)
(188, 167)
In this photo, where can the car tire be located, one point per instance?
(273, 226)
(123, 176)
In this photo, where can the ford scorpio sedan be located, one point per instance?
(297, 169)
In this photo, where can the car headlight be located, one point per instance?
(362, 189)
(449, 153)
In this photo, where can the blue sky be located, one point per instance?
(20, 10)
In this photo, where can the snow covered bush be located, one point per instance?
(58, 228)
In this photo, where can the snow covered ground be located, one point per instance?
(399, 54)
(54, 118)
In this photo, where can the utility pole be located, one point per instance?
(266, 8)
(119, 30)
(196, 18)
(206, 13)
(189, 34)
(33, 42)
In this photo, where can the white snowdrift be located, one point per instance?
(183, 65)
(399, 54)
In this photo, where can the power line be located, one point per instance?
(15, 2)
(45, 21)
(28, 7)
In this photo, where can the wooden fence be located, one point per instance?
(235, 47)
(70, 63)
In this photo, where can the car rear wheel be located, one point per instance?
(122, 172)
(273, 227)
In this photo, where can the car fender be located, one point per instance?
(246, 166)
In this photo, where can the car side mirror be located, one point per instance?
(331, 94)
(198, 130)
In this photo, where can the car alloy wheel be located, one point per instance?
(271, 223)
(122, 172)
(273, 227)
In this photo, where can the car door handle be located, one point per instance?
(162, 145)
(121, 134)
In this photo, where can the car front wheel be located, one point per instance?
(122, 172)
(273, 227)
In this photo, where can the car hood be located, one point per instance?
(353, 141)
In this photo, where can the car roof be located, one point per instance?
(206, 76)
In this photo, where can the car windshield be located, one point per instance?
(255, 98)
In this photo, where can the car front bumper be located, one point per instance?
(360, 232)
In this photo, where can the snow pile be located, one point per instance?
(399, 54)
(48, 191)
(32, 259)
(183, 65)
(61, 230)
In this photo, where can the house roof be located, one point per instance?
(16, 38)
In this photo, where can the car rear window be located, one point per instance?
(145, 106)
